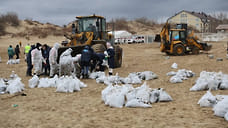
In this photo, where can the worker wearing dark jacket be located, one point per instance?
(98, 60)
(29, 62)
(17, 51)
(85, 61)
(45, 53)
(111, 59)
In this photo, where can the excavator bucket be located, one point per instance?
(206, 46)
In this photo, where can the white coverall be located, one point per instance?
(66, 63)
(77, 68)
(53, 54)
(37, 60)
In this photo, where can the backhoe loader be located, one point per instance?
(180, 41)
(91, 30)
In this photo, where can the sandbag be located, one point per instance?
(115, 99)
(221, 108)
(154, 96)
(164, 96)
(174, 65)
(34, 81)
(95, 75)
(226, 116)
(15, 85)
(147, 75)
(43, 83)
(172, 73)
(52, 81)
(175, 79)
(137, 103)
(143, 93)
(207, 100)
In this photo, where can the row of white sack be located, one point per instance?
(132, 78)
(13, 61)
(62, 84)
(180, 75)
(128, 96)
(11, 85)
(210, 80)
(218, 102)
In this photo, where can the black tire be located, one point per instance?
(195, 50)
(99, 48)
(179, 49)
(118, 56)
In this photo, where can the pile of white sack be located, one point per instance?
(13, 61)
(11, 85)
(180, 75)
(211, 80)
(218, 102)
(132, 78)
(128, 96)
(62, 84)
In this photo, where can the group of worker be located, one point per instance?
(12, 52)
(43, 60)
(37, 57)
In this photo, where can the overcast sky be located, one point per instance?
(64, 11)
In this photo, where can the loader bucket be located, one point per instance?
(206, 47)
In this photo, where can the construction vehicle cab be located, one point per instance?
(91, 31)
(180, 41)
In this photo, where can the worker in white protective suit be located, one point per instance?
(37, 59)
(77, 67)
(53, 54)
(66, 63)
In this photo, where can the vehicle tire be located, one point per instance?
(99, 48)
(118, 56)
(195, 50)
(179, 49)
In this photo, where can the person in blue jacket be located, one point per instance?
(29, 62)
(111, 59)
(86, 56)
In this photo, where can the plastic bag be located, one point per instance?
(221, 108)
(147, 75)
(172, 73)
(207, 100)
(15, 86)
(164, 96)
(226, 116)
(137, 103)
(154, 96)
(34, 81)
(176, 79)
(43, 83)
(174, 65)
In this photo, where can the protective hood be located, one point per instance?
(57, 45)
(67, 52)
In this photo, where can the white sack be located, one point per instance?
(34, 81)
(221, 108)
(15, 86)
(207, 100)
(164, 96)
(174, 65)
(136, 103)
